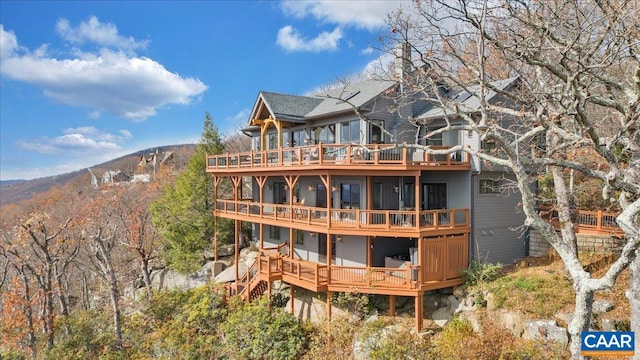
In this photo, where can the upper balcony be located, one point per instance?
(348, 221)
(337, 156)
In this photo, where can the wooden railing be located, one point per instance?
(376, 277)
(280, 249)
(312, 273)
(443, 258)
(349, 218)
(336, 154)
(597, 222)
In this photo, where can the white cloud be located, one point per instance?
(291, 40)
(78, 141)
(8, 43)
(103, 34)
(368, 15)
(112, 81)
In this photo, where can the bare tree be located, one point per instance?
(575, 85)
(102, 241)
(39, 253)
(129, 207)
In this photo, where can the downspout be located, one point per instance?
(472, 234)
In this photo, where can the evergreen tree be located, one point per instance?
(184, 214)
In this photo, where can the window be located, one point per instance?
(408, 194)
(490, 186)
(488, 145)
(434, 140)
(256, 143)
(434, 196)
(377, 195)
(299, 237)
(323, 134)
(272, 141)
(279, 193)
(350, 196)
(297, 138)
(377, 136)
(350, 132)
(322, 245)
(274, 232)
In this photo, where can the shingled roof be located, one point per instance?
(467, 99)
(289, 107)
(297, 108)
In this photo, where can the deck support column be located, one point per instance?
(236, 252)
(329, 296)
(261, 234)
(291, 241)
(216, 182)
(418, 311)
(392, 305)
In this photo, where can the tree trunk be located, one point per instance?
(144, 268)
(633, 294)
(581, 320)
(106, 265)
(28, 313)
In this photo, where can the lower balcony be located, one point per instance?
(348, 221)
(442, 260)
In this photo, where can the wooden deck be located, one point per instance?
(586, 222)
(347, 221)
(336, 156)
(443, 257)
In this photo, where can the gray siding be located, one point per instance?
(495, 216)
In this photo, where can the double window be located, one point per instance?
(490, 186)
(324, 134)
(350, 132)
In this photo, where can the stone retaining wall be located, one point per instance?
(538, 246)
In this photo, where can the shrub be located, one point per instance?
(480, 273)
(184, 324)
(253, 331)
(531, 293)
(356, 303)
(91, 337)
(458, 340)
(383, 340)
(341, 332)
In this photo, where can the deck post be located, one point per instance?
(418, 311)
(392, 305)
(291, 241)
(329, 296)
(416, 200)
(261, 236)
(236, 252)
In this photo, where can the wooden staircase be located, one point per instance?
(250, 286)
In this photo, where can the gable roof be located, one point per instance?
(357, 94)
(297, 108)
(289, 107)
(467, 99)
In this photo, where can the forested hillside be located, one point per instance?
(13, 191)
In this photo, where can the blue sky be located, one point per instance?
(85, 82)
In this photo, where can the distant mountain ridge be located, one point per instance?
(12, 191)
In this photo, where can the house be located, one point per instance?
(335, 207)
(148, 164)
